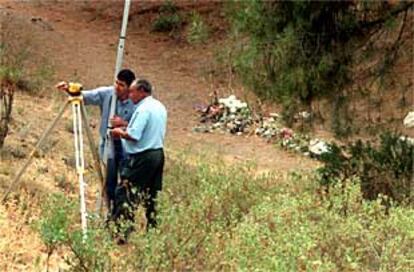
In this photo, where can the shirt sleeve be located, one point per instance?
(95, 96)
(137, 124)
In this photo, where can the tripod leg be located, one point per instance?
(94, 151)
(80, 164)
(38, 145)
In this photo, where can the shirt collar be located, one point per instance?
(143, 100)
(124, 102)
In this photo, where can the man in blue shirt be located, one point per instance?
(143, 142)
(102, 97)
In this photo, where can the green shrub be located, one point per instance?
(383, 170)
(285, 48)
(58, 228)
(55, 222)
(168, 19)
(198, 30)
(90, 253)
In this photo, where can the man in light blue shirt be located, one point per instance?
(102, 97)
(143, 142)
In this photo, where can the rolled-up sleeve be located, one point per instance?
(137, 124)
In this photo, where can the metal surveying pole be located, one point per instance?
(109, 146)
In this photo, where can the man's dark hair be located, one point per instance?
(144, 85)
(126, 76)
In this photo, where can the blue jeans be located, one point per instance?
(113, 167)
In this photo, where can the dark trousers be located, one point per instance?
(141, 181)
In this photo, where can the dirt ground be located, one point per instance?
(81, 46)
(80, 41)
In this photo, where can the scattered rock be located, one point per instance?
(229, 114)
(304, 115)
(70, 161)
(409, 140)
(409, 120)
(318, 147)
(39, 21)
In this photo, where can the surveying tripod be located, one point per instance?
(79, 114)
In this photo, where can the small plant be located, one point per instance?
(168, 19)
(90, 252)
(198, 30)
(54, 223)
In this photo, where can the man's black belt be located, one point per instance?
(145, 151)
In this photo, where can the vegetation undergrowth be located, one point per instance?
(216, 217)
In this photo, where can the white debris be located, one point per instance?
(274, 115)
(409, 140)
(304, 114)
(232, 103)
(317, 147)
(409, 120)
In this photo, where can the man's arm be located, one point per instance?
(90, 97)
(135, 128)
(96, 96)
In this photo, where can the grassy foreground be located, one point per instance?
(219, 218)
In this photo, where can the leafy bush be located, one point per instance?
(54, 223)
(90, 253)
(168, 19)
(383, 170)
(289, 51)
(56, 228)
(198, 30)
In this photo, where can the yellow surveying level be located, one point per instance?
(74, 88)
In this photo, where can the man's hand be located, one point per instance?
(62, 86)
(117, 122)
(118, 133)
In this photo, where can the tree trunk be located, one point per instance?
(6, 103)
